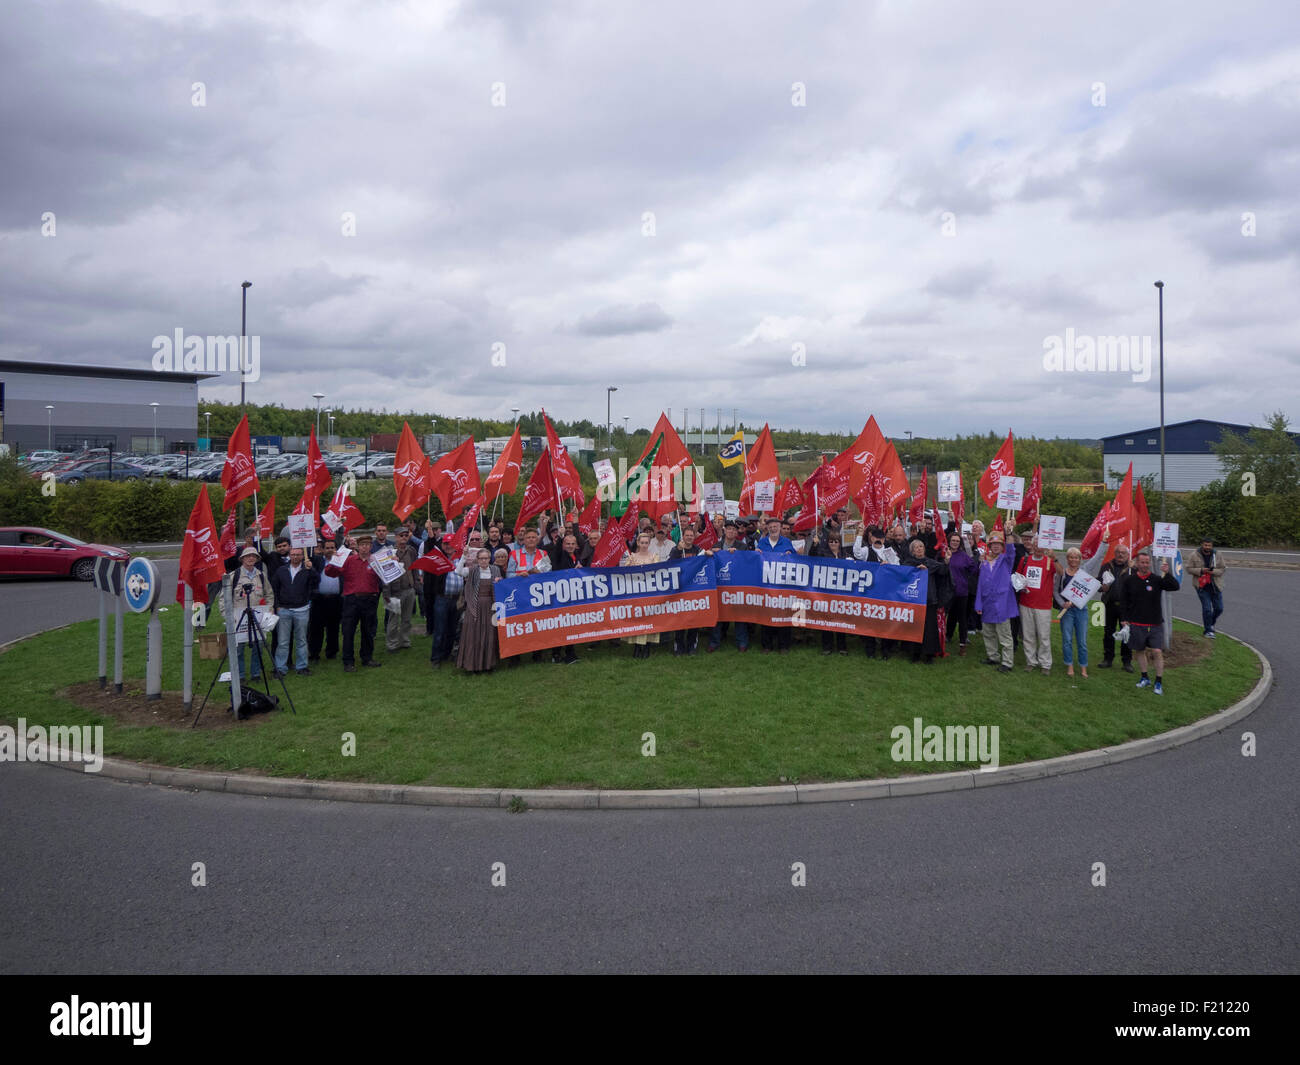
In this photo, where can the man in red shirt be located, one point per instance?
(1038, 569)
(360, 589)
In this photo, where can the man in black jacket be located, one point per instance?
(1112, 578)
(686, 641)
(1139, 606)
(566, 554)
(293, 584)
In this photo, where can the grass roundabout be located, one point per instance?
(718, 720)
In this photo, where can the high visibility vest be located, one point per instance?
(522, 561)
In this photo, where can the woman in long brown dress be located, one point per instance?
(640, 557)
(478, 637)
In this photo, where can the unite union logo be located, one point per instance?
(912, 590)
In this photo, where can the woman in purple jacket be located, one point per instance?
(962, 567)
(995, 602)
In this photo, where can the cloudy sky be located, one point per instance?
(808, 212)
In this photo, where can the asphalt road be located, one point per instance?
(1199, 845)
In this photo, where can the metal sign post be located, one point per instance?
(140, 593)
(108, 580)
(187, 685)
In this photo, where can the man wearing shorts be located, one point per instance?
(1139, 598)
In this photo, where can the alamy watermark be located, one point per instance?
(951, 743)
(208, 354)
(59, 743)
(1080, 353)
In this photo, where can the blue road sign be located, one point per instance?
(140, 586)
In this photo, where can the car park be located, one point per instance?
(28, 551)
(101, 470)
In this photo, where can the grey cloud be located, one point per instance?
(623, 320)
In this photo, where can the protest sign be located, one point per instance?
(831, 594)
(1166, 539)
(1051, 532)
(731, 508)
(576, 606)
(388, 568)
(949, 486)
(1011, 493)
(1080, 589)
(715, 497)
(302, 530)
(605, 474)
(765, 496)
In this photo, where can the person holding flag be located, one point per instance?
(995, 602)
(360, 586)
(642, 556)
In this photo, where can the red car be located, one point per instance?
(33, 552)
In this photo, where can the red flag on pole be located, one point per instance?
(617, 533)
(318, 477)
(266, 520)
(228, 545)
(1003, 464)
(861, 457)
(455, 543)
(708, 538)
(657, 497)
(342, 511)
(541, 492)
(1029, 509)
(1142, 533)
(590, 518)
(504, 478)
(455, 479)
(434, 562)
(565, 472)
(1118, 514)
(895, 479)
(760, 466)
(239, 475)
(201, 562)
(920, 498)
(789, 497)
(412, 475)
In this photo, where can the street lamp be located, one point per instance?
(1160, 287)
(243, 340)
(609, 433)
(49, 426)
(331, 431)
(207, 430)
(154, 405)
(318, 396)
(625, 421)
(515, 412)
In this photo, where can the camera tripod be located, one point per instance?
(255, 643)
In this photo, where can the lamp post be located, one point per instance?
(207, 430)
(609, 432)
(626, 417)
(243, 340)
(515, 412)
(1160, 288)
(49, 426)
(154, 405)
(318, 396)
(331, 428)
(908, 457)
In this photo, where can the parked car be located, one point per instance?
(30, 551)
(102, 471)
(43, 455)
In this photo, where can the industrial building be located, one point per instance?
(1190, 461)
(68, 408)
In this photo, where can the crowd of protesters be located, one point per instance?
(990, 582)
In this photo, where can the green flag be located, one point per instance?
(635, 481)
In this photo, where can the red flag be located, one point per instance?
(999, 525)
(239, 475)
(618, 531)
(504, 478)
(895, 479)
(862, 456)
(455, 479)
(789, 497)
(342, 511)
(1142, 533)
(940, 537)
(590, 518)
(540, 493)
(412, 475)
(306, 504)
(200, 555)
(318, 477)
(658, 497)
(958, 505)
(1029, 508)
(824, 491)
(708, 538)
(454, 544)
(1117, 514)
(920, 499)
(266, 520)
(228, 546)
(1002, 465)
(434, 562)
(566, 473)
(760, 466)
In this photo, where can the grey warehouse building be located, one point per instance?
(1190, 461)
(96, 406)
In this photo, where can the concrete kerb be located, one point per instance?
(685, 798)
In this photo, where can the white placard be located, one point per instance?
(604, 471)
(340, 556)
(1081, 588)
(731, 509)
(1166, 541)
(888, 555)
(302, 530)
(1051, 532)
(1011, 493)
(715, 497)
(266, 621)
(765, 496)
(949, 486)
(388, 568)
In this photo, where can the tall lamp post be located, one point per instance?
(331, 429)
(243, 340)
(207, 430)
(318, 396)
(49, 426)
(626, 418)
(154, 405)
(515, 412)
(1160, 288)
(609, 432)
